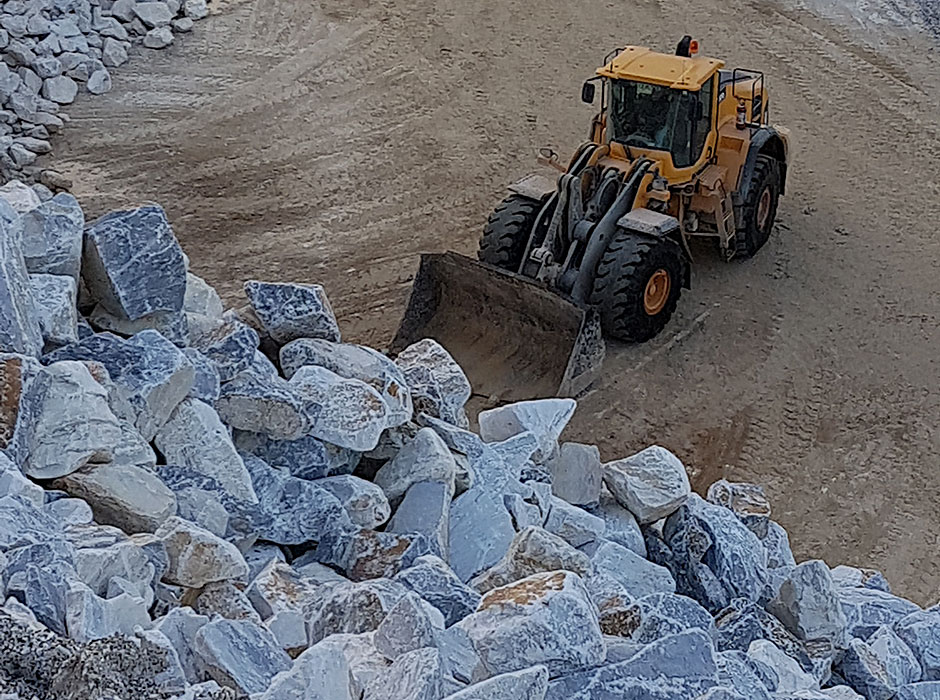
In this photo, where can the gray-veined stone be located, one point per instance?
(19, 324)
(433, 580)
(576, 474)
(75, 425)
(172, 325)
(425, 510)
(22, 523)
(206, 383)
(365, 502)
(42, 588)
(113, 53)
(292, 311)
(369, 554)
(111, 27)
(533, 551)
(852, 577)
(438, 385)
(877, 668)
(182, 25)
(289, 629)
(544, 418)
(742, 623)
(620, 524)
(60, 89)
(528, 684)
(416, 675)
(135, 589)
(734, 671)
(425, 458)
(123, 10)
(365, 662)
(123, 495)
(867, 609)
(779, 672)
(317, 674)
(308, 567)
(612, 600)
(158, 38)
(710, 546)
(808, 605)
(195, 9)
(180, 626)
(921, 632)
(780, 561)
(679, 666)
(198, 557)
(747, 501)
(292, 510)
(260, 555)
(659, 615)
(637, 575)
(352, 608)
(268, 405)
(90, 617)
(22, 156)
(480, 532)
(70, 511)
(353, 362)
(132, 263)
(153, 14)
(278, 588)
(66, 27)
(17, 194)
(103, 553)
(225, 599)
(262, 366)
(530, 505)
(54, 299)
(574, 525)
(651, 484)
(207, 503)
(545, 619)
(171, 678)
(344, 412)
(407, 627)
(201, 298)
(195, 437)
(51, 236)
(150, 373)
(306, 458)
(491, 465)
(919, 691)
(240, 654)
(460, 661)
(13, 483)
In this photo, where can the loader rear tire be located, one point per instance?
(637, 286)
(507, 232)
(759, 209)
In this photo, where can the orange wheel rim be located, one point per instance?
(657, 292)
(763, 209)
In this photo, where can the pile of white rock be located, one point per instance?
(199, 503)
(51, 48)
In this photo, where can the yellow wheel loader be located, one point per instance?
(680, 148)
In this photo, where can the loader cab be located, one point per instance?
(659, 106)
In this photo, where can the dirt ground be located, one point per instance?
(332, 142)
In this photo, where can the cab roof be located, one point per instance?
(644, 65)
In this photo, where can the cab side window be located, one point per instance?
(702, 125)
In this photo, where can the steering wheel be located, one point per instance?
(639, 138)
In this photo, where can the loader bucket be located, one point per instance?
(514, 338)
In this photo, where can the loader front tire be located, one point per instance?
(507, 232)
(637, 286)
(759, 209)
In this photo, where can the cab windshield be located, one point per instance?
(661, 118)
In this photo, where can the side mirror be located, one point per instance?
(587, 93)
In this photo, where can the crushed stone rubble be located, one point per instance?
(206, 504)
(52, 50)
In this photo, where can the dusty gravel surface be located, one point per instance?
(334, 141)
